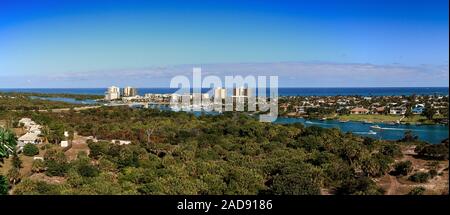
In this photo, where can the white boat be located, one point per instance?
(372, 132)
(375, 126)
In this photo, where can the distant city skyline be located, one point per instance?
(346, 43)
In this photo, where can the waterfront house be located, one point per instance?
(418, 109)
(379, 110)
(397, 110)
(359, 110)
(299, 109)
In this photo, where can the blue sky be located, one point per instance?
(50, 39)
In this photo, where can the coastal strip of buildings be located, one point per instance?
(130, 94)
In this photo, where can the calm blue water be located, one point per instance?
(380, 91)
(68, 100)
(429, 133)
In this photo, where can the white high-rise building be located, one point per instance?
(129, 92)
(241, 92)
(112, 93)
(220, 93)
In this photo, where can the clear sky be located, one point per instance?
(64, 38)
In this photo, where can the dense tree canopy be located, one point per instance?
(232, 153)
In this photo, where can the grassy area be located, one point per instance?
(385, 118)
(417, 119)
(27, 163)
(370, 117)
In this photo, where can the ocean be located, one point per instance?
(378, 91)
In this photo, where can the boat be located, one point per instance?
(372, 132)
(375, 127)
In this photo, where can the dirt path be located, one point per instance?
(393, 185)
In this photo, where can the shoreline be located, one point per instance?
(368, 120)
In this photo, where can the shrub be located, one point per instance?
(433, 173)
(87, 170)
(38, 166)
(56, 163)
(392, 150)
(359, 186)
(98, 149)
(420, 177)
(417, 191)
(433, 164)
(30, 150)
(30, 187)
(297, 180)
(434, 152)
(56, 169)
(402, 168)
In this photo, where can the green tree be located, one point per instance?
(409, 137)
(71, 135)
(45, 134)
(56, 133)
(376, 165)
(297, 180)
(3, 185)
(85, 168)
(8, 143)
(408, 112)
(402, 168)
(14, 175)
(429, 111)
(16, 162)
(30, 150)
(56, 163)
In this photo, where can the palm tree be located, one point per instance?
(13, 175)
(8, 143)
(45, 134)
